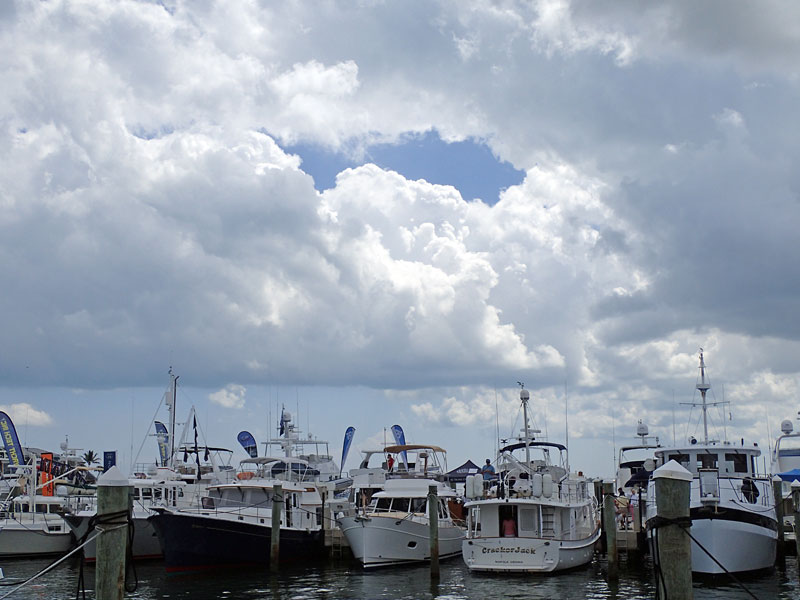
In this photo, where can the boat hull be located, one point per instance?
(145, 541)
(725, 538)
(378, 541)
(527, 555)
(196, 541)
(23, 540)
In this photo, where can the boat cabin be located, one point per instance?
(727, 459)
(283, 469)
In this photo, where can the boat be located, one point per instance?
(732, 508)
(390, 524)
(179, 480)
(32, 525)
(536, 517)
(290, 443)
(635, 466)
(785, 464)
(233, 524)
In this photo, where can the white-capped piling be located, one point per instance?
(113, 513)
(673, 550)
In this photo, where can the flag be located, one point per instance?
(46, 473)
(348, 439)
(400, 440)
(163, 442)
(196, 450)
(285, 420)
(248, 442)
(10, 440)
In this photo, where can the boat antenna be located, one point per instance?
(674, 442)
(171, 408)
(524, 396)
(496, 422)
(566, 421)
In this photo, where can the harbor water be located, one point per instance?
(347, 580)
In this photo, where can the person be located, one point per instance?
(621, 508)
(633, 502)
(390, 462)
(509, 527)
(488, 473)
(749, 490)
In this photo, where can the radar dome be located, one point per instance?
(786, 426)
(642, 430)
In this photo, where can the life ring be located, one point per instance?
(245, 475)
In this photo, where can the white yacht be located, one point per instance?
(732, 507)
(233, 524)
(33, 526)
(390, 524)
(635, 463)
(786, 465)
(539, 517)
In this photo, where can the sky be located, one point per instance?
(382, 212)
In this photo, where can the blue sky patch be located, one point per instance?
(468, 166)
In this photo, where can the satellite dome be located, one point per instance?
(642, 430)
(786, 427)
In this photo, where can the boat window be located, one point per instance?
(257, 497)
(147, 493)
(527, 519)
(707, 461)
(207, 503)
(156, 493)
(400, 504)
(442, 509)
(41, 508)
(418, 505)
(382, 503)
(683, 459)
(135, 493)
(739, 462)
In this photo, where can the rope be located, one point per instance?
(110, 522)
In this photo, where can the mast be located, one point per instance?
(524, 395)
(171, 408)
(703, 386)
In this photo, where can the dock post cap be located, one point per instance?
(113, 478)
(672, 470)
(776, 478)
(795, 485)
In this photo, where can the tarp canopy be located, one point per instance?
(459, 474)
(793, 475)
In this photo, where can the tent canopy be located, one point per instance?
(459, 474)
(793, 475)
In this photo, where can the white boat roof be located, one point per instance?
(710, 449)
(412, 488)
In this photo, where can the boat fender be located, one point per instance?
(245, 475)
(547, 485)
(536, 485)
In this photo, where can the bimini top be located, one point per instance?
(513, 447)
(405, 447)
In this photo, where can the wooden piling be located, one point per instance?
(275, 545)
(777, 493)
(673, 551)
(113, 512)
(610, 528)
(433, 517)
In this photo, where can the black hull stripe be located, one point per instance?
(733, 514)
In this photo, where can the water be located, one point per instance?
(347, 580)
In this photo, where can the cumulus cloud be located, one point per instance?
(231, 396)
(23, 414)
(149, 209)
